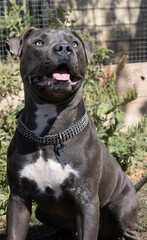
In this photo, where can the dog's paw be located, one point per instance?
(131, 235)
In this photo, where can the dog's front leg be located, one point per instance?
(87, 219)
(18, 216)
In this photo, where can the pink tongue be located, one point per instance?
(61, 75)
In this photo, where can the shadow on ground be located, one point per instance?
(34, 231)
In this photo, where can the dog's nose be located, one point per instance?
(63, 49)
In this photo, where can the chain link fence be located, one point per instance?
(117, 25)
(2, 30)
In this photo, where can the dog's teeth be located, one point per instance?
(35, 80)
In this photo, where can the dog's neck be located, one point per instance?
(48, 118)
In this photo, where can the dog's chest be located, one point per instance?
(47, 174)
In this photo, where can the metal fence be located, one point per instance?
(2, 24)
(40, 10)
(101, 18)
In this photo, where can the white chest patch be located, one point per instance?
(47, 174)
(43, 114)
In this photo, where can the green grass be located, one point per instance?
(143, 212)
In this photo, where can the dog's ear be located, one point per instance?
(14, 45)
(88, 46)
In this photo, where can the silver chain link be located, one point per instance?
(56, 138)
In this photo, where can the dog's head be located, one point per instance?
(52, 61)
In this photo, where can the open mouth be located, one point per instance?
(60, 74)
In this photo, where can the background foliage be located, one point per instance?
(101, 100)
(18, 19)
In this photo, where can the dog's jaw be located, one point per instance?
(61, 74)
(52, 86)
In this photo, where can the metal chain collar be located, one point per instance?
(56, 138)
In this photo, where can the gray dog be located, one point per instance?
(55, 156)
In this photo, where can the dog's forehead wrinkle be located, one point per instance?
(65, 36)
(61, 36)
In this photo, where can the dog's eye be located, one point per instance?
(74, 44)
(39, 43)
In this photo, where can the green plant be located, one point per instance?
(7, 129)
(18, 19)
(63, 20)
(100, 54)
(103, 102)
(9, 79)
(139, 134)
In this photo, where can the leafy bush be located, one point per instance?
(9, 79)
(63, 20)
(102, 103)
(7, 127)
(18, 19)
